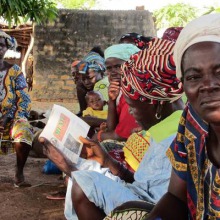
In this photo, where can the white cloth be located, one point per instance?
(108, 192)
(204, 28)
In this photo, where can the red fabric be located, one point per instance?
(126, 121)
(119, 156)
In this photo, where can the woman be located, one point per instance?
(157, 92)
(195, 153)
(15, 107)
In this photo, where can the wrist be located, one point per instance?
(99, 136)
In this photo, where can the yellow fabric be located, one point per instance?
(135, 148)
(95, 113)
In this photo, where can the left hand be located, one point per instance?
(55, 155)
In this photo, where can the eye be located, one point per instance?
(192, 77)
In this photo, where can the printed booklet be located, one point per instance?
(63, 130)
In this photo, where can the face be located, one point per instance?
(75, 73)
(113, 69)
(90, 78)
(95, 102)
(3, 47)
(201, 75)
(143, 112)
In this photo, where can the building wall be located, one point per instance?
(71, 36)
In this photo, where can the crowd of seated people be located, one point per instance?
(148, 151)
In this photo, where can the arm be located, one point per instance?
(92, 121)
(95, 152)
(108, 135)
(112, 119)
(175, 197)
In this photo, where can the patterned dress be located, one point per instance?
(15, 105)
(188, 155)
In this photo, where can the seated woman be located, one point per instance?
(147, 88)
(195, 152)
(120, 122)
(14, 111)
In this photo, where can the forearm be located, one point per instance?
(112, 119)
(108, 135)
(169, 207)
(94, 122)
(119, 170)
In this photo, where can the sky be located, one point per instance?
(150, 5)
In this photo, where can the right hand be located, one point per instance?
(3, 122)
(93, 151)
(114, 90)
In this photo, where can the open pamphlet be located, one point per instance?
(63, 130)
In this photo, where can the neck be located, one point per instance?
(170, 108)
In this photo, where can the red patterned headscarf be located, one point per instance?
(150, 75)
(172, 33)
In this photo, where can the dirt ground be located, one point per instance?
(29, 203)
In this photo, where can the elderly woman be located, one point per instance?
(195, 153)
(147, 88)
(15, 106)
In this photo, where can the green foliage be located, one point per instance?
(76, 4)
(18, 11)
(174, 15)
(212, 9)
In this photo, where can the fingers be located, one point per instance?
(86, 140)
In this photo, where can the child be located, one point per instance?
(95, 104)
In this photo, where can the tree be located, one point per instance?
(76, 4)
(20, 11)
(174, 15)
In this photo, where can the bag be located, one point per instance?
(50, 168)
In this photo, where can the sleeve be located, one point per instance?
(177, 152)
(126, 120)
(22, 105)
(88, 112)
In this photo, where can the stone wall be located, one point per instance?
(71, 36)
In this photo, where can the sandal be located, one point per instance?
(60, 195)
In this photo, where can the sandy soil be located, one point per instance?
(29, 203)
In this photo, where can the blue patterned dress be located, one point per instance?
(15, 105)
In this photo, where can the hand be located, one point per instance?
(55, 155)
(113, 90)
(94, 151)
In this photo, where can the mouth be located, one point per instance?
(210, 103)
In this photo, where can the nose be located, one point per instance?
(209, 83)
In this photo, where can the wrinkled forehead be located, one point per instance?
(113, 61)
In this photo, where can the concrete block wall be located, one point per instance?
(72, 36)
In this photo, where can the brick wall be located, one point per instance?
(71, 36)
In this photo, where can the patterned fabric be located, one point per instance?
(91, 61)
(172, 33)
(127, 214)
(11, 41)
(140, 41)
(15, 104)
(190, 161)
(135, 148)
(150, 75)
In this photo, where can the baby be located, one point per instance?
(95, 104)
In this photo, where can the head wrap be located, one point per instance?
(75, 63)
(150, 75)
(204, 28)
(11, 41)
(140, 41)
(91, 61)
(172, 33)
(121, 51)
